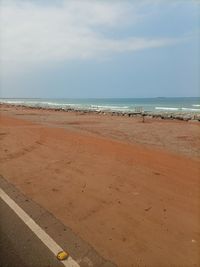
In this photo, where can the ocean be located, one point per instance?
(160, 104)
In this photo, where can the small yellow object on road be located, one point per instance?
(62, 255)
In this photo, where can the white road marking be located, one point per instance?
(37, 230)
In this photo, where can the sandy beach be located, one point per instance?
(128, 188)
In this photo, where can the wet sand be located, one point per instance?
(128, 188)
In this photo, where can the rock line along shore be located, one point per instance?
(189, 116)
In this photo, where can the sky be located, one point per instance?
(99, 49)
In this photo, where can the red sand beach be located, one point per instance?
(130, 189)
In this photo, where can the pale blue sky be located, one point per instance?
(100, 48)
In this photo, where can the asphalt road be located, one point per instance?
(19, 247)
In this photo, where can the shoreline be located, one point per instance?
(165, 115)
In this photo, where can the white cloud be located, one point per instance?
(32, 33)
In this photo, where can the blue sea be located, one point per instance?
(160, 104)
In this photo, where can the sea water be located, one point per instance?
(160, 104)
